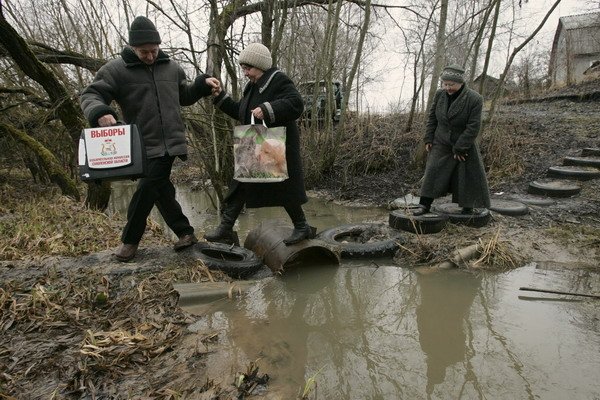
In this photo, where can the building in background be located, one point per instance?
(490, 85)
(575, 48)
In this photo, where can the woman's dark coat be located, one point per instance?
(281, 105)
(453, 130)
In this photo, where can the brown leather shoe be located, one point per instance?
(185, 241)
(126, 252)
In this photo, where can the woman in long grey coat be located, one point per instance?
(272, 97)
(454, 163)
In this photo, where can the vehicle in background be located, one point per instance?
(318, 102)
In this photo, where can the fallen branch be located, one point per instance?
(461, 256)
(457, 258)
(558, 292)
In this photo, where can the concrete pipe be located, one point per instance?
(266, 240)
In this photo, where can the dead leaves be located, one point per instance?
(57, 325)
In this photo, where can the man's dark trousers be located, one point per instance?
(155, 189)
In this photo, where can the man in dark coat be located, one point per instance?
(150, 89)
(273, 98)
(454, 163)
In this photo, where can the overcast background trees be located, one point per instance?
(316, 40)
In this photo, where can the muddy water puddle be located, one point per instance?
(390, 333)
(367, 330)
(202, 215)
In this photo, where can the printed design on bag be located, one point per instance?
(259, 153)
(271, 157)
(109, 148)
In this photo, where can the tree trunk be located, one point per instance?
(477, 43)
(66, 106)
(355, 65)
(439, 52)
(98, 193)
(281, 15)
(418, 82)
(56, 173)
(266, 26)
(526, 81)
(489, 48)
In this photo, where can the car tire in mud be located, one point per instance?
(479, 218)
(534, 200)
(509, 207)
(590, 151)
(235, 261)
(554, 188)
(363, 240)
(589, 161)
(419, 224)
(574, 172)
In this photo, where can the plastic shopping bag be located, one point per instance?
(259, 153)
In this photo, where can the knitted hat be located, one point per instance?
(453, 73)
(256, 55)
(143, 31)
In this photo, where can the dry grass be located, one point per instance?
(502, 148)
(580, 236)
(55, 226)
(453, 247)
(369, 145)
(496, 254)
(37, 221)
(72, 330)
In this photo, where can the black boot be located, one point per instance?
(301, 232)
(420, 210)
(424, 206)
(224, 232)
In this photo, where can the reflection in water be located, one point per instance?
(442, 313)
(388, 333)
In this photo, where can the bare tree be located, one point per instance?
(531, 71)
(516, 50)
(439, 59)
(490, 44)
(66, 108)
(419, 65)
(49, 162)
(476, 45)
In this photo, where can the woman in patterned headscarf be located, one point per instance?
(454, 163)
